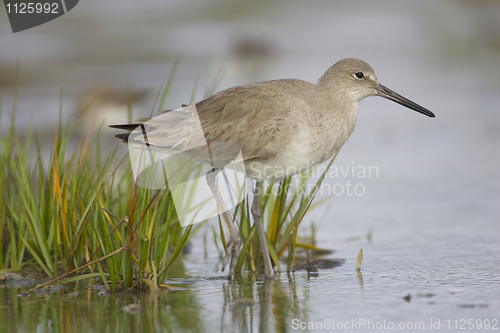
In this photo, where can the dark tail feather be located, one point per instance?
(126, 127)
(123, 136)
(133, 126)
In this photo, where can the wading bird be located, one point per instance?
(282, 127)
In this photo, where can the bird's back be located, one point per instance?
(260, 118)
(281, 126)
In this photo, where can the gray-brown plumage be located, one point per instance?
(282, 127)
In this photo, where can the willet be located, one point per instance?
(282, 127)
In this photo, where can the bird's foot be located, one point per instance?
(233, 250)
(269, 273)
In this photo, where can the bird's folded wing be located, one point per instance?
(255, 117)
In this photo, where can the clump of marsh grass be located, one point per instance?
(75, 214)
(74, 217)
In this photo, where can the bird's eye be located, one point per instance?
(360, 75)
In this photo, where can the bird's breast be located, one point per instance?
(316, 139)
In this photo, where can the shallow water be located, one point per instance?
(442, 284)
(432, 208)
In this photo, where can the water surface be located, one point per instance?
(432, 210)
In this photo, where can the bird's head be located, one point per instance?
(355, 80)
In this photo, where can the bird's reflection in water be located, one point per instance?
(269, 304)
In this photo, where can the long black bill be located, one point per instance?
(391, 95)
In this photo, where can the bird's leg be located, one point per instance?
(234, 245)
(257, 217)
(266, 304)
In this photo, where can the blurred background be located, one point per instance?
(445, 55)
(438, 184)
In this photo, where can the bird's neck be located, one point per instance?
(339, 112)
(338, 102)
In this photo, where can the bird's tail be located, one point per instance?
(136, 123)
(168, 121)
(128, 127)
